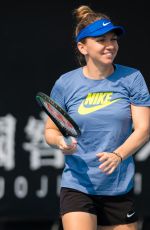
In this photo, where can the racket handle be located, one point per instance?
(68, 140)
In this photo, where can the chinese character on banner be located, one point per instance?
(41, 154)
(7, 141)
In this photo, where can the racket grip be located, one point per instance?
(68, 140)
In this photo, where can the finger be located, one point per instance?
(70, 151)
(104, 164)
(70, 142)
(65, 147)
(111, 170)
(67, 152)
(107, 168)
(100, 154)
(104, 157)
(74, 141)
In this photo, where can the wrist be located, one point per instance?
(118, 155)
(58, 140)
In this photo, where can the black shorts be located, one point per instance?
(110, 210)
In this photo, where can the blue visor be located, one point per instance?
(99, 28)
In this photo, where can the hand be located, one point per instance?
(67, 148)
(109, 162)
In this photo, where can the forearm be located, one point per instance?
(52, 136)
(136, 140)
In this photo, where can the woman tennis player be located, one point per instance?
(106, 100)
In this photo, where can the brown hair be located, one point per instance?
(84, 16)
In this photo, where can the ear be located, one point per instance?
(82, 48)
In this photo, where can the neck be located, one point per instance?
(98, 72)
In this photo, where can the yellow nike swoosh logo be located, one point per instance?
(84, 110)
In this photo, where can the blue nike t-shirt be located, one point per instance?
(101, 108)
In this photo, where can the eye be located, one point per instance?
(105, 39)
(101, 39)
(114, 39)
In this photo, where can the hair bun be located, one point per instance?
(82, 12)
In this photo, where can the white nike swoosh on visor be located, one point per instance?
(130, 215)
(106, 23)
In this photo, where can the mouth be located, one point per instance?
(109, 54)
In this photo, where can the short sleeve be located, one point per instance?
(57, 93)
(139, 93)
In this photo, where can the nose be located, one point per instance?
(109, 42)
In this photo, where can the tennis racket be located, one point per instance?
(62, 120)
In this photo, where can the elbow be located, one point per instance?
(147, 135)
(46, 137)
(144, 134)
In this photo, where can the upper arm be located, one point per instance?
(141, 117)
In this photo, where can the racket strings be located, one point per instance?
(59, 117)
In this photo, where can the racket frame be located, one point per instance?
(40, 97)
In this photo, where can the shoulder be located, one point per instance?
(70, 75)
(126, 70)
(128, 74)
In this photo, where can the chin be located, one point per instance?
(109, 62)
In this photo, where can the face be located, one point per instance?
(101, 49)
